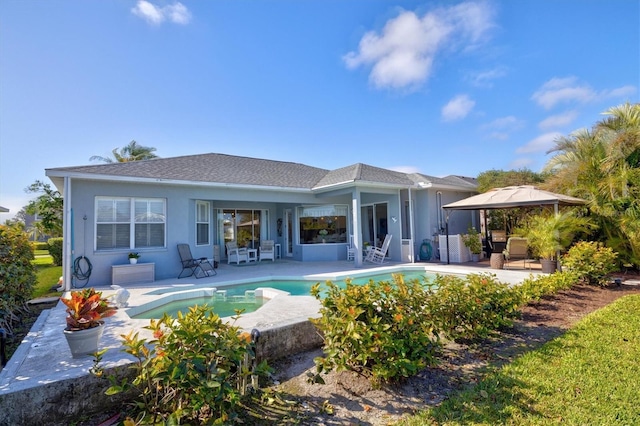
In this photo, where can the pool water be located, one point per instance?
(242, 296)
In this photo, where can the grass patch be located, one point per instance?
(587, 376)
(48, 277)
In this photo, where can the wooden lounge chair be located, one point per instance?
(378, 254)
(198, 268)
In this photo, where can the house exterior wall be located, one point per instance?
(181, 213)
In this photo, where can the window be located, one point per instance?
(323, 224)
(130, 223)
(202, 223)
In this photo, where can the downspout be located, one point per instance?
(67, 254)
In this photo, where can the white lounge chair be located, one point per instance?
(377, 254)
(267, 250)
(236, 254)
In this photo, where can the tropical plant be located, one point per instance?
(381, 330)
(131, 152)
(472, 240)
(602, 165)
(196, 370)
(548, 234)
(86, 308)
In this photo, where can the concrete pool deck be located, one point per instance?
(44, 358)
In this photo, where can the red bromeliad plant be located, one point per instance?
(85, 309)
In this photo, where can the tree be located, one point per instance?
(48, 206)
(602, 165)
(501, 178)
(507, 218)
(131, 152)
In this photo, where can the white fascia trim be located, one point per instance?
(359, 184)
(130, 179)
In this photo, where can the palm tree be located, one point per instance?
(131, 152)
(603, 166)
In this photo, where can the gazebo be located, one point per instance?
(510, 197)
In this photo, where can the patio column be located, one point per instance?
(67, 223)
(357, 228)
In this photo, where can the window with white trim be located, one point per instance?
(130, 223)
(203, 222)
(323, 224)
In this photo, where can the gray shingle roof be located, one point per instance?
(237, 170)
(457, 181)
(364, 173)
(210, 168)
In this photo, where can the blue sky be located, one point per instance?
(436, 87)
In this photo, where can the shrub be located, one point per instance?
(472, 307)
(533, 288)
(55, 250)
(591, 261)
(195, 371)
(40, 245)
(381, 330)
(17, 274)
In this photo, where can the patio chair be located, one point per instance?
(516, 250)
(198, 268)
(236, 254)
(351, 250)
(267, 250)
(378, 254)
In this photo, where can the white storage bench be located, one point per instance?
(129, 274)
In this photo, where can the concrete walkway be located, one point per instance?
(44, 357)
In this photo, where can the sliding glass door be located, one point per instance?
(244, 226)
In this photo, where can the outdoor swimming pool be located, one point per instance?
(224, 300)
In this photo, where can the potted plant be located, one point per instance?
(85, 312)
(472, 241)
(133, 257)
(323, 233)
(549, 234)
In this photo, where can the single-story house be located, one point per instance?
(207, 200)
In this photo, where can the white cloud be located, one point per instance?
(457, 108)
(509, 122)
(570, 90)
(620, 92)
(563, 90)
(558, 120)
(501, 128)
(542, 143)
(403, 53)
(155, 15)
(486, 78)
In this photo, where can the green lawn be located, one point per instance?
(47, 274)
(589, 376)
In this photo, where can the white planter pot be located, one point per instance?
(84, 342)
(133, 260)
